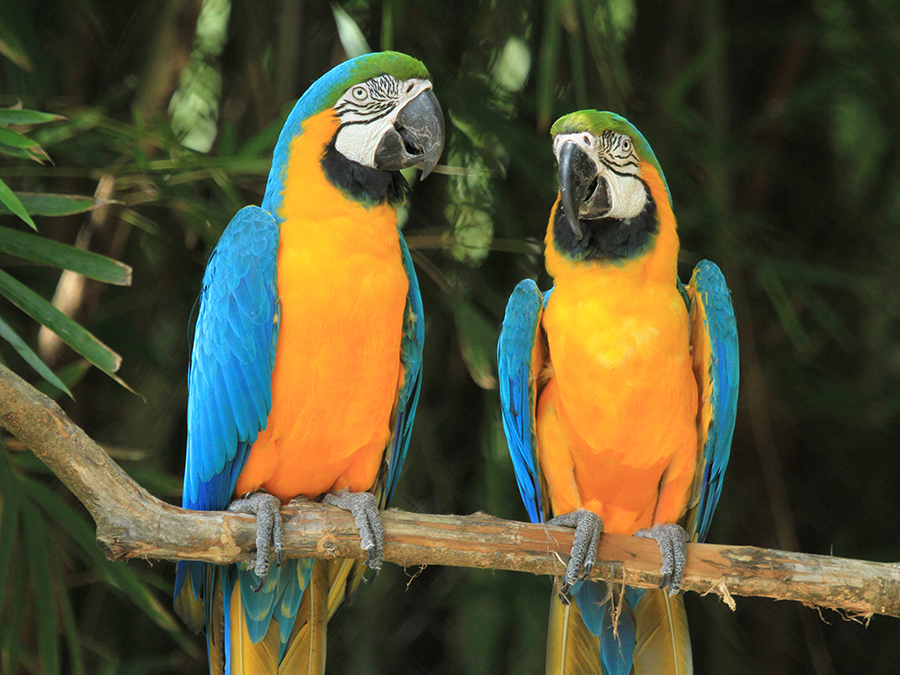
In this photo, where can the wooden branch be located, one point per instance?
(131, 523)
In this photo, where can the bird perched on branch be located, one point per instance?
(306, 359)
(619, 391)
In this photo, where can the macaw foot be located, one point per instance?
(269, 529)
(672, 541)
(588, 527)
(364, 508)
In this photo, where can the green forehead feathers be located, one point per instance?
(334, 83)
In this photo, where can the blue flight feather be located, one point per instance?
(720, 328)
(411, 346)
(515, 355)
(237, 320)
(295, 575)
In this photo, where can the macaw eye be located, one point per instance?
(626, 145)
(360, 93)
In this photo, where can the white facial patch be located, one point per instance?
(368, 110)
(613, 155)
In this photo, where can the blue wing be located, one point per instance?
(715, 348)
(411, 347)
(519, 358)
(230, 376)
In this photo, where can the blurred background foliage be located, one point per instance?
(776, 124)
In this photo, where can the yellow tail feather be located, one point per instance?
(306, 649)
(663, 643)
(571, 648)
(329, 585)
(248, 658)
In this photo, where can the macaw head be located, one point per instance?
(610, 184)
(388, 119)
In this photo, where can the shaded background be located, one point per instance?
(777, 126)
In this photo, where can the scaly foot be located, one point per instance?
(588, 527)
(364, 508)
(672, 545)
(269, 529)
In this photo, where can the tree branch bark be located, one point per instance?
(131, 523)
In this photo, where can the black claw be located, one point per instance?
(371, 579)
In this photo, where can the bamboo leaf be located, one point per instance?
(35, 535)
(9, 523)
(10, 201)
(49, 252)
(19, 116)
(11, 643)
(70, 627)
(77, 337)
(120, 576)
(8, 137)
(32, 359)
(477, 343)
(47, 204)
(352, 39)
(34, 153)
(548, 60)
(13, 49)
(70, 374)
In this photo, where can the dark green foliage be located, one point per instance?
(776, 126)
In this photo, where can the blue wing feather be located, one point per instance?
(411, 346)
(230, 374)
(515, 360)
(708, 288)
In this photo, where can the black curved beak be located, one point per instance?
(583, 193)
(416, 137)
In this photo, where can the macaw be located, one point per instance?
(619, 392)
(306, 359)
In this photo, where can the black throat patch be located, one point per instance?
(607, 238)
(362, 183)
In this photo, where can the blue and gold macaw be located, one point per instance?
(306, 359)
(619, 393)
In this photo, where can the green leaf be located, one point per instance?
(477, 342)
(11, 642)
(8, 137)
(9, 199)
(70, 374)
(548, 63)
(13, 49)
(117, 574)
(9, 522)
(78, 338)
(70, 626)
(49, 252)
(32, 359)
(33, 154)
(16, 116)
(47, 204)
(36, 536)
(351, 36)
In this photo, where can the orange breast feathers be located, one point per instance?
(617, 419)
(337, 366)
